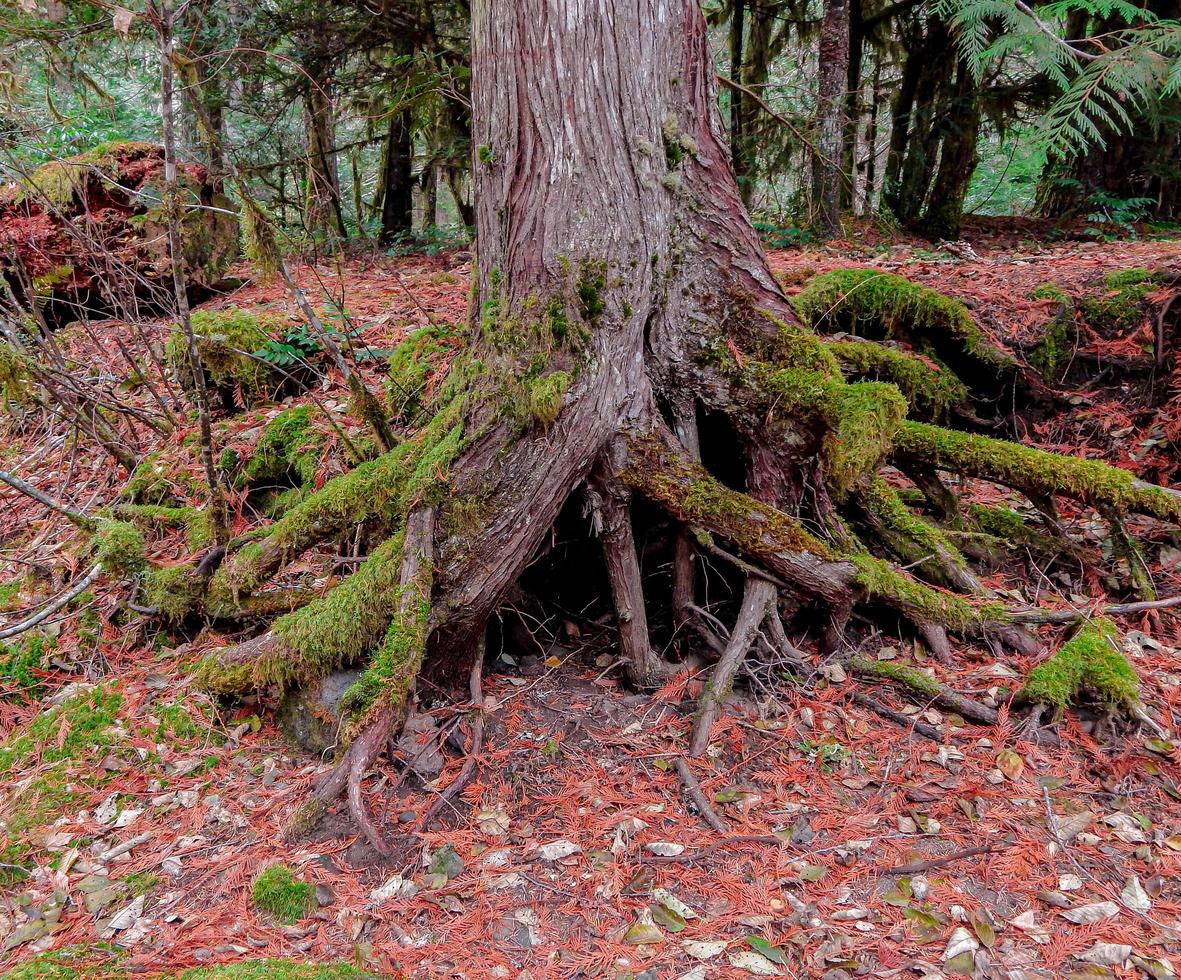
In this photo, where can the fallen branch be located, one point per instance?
(40, 616)
(698, 798)
(75, 517)
(1057, 616)
(915, 867)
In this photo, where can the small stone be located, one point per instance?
(407, 816)
(324, 895)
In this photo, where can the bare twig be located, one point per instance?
(39, 617)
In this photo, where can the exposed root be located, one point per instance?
(906, 721)
(919, 683)
(757, 599)
(1036, 473)
(611, 508)
(698, 798)
(476, 687)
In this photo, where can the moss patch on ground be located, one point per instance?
(278, 893)
(1122, 301)
(102, 963)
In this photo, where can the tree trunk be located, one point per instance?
(620, 294)
(957, 159)
(737, 96)
(853, 103)
(397, 179)
(830, 118)
(322, 210)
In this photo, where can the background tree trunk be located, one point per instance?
(830, 117)
(322, 209)
(397, 179)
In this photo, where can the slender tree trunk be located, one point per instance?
(175, 204)
(397, 207)
(323, 208)
(853, 103)
(830, 117)
(871, 141)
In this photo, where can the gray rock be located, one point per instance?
(310, 716)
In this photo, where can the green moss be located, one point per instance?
(17, 385)
(880, 580)
(58, 181)
(395, 664)
(1089, 662)
(545, 397)
(21, 660)
(1023, 467)
(275, 504)
(1048, 290)
(174, 591)
(119, 547)
(909, 536)
(226, 344)
(899, 673)
(152, 518)
(866, 301)
(484, 153)
(1123, 300)
(72, 963)
(86, 720)
(289, 447)
(592, 281)
(276, 970)
(677, 144)
(154, 482)
(929, 387)
(141, 882)
(858, 420)
(277, 892)
(414, 366)
(694, 497)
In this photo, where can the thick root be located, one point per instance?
(1034, 471)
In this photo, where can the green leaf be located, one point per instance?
(666, 917)
(764, 948)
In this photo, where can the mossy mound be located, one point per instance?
(1122, 303)
(228, 342)
(160, 480)
(18, 389)
(1056, 346)
(104, 963)
(278, 893)
(414, 368)
(288, 452)
(1088, 663)
(875, 304)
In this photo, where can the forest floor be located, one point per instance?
(143, 812)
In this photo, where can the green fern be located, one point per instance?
(1108, 81)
